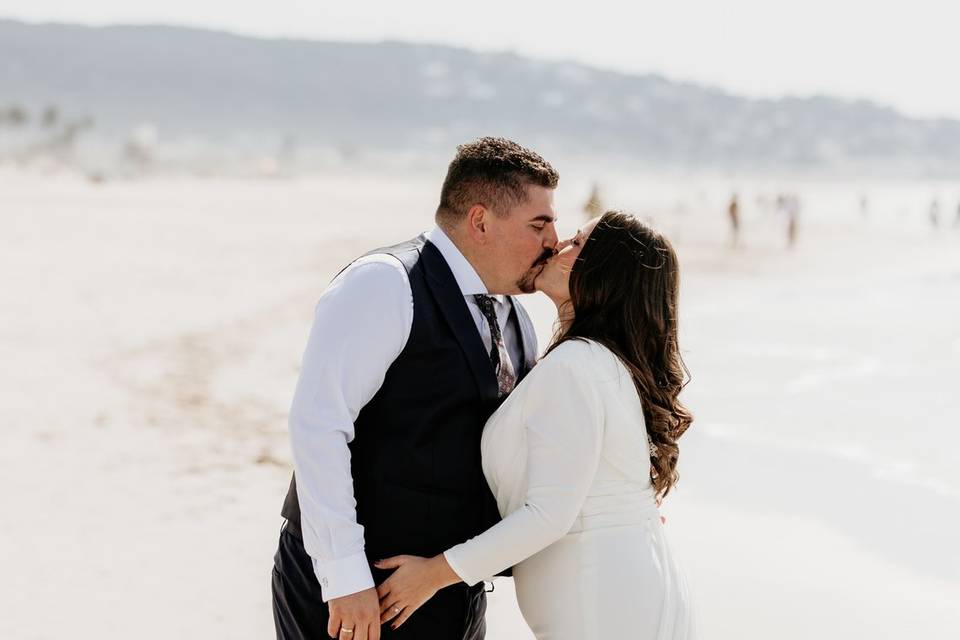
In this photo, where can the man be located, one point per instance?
(733, 214)
(413, 347)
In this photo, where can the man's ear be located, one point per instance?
(477, 220)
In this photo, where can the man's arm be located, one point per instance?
(361, 324)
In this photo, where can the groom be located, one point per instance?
(412, 348)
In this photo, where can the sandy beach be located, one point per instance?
(151, 333)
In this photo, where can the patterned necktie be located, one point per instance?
(506, 378)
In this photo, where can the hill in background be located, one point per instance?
(138, 88)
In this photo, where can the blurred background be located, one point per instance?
(178, 183)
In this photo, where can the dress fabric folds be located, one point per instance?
(568, 461)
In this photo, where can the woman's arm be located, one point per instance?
(563, 419)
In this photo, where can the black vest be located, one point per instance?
(415, 457)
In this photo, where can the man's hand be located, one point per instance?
(355, 617)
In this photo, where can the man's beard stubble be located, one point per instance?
(527, 282)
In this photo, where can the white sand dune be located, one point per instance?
(151, 332)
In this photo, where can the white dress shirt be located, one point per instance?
(361, 324)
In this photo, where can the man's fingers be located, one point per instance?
(351, 628)
(351, 616)
(333, 625)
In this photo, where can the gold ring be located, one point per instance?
(396, 609)
(342, 630)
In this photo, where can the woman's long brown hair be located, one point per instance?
(624, 288)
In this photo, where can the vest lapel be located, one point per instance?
(450, 299)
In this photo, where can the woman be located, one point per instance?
(576, 475)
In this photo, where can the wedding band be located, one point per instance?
(346, 630)
(396, 609)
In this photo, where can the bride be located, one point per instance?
(581, 453)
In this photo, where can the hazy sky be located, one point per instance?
(902, 53)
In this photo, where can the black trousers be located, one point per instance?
(299, 613)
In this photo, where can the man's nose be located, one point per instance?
(551, 241)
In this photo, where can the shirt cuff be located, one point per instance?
(451, 556)
(343, 576)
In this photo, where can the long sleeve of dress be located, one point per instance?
(563, 423)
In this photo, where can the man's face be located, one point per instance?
(523, 240)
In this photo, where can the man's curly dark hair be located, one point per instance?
(493, 172)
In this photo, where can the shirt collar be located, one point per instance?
(463, 272)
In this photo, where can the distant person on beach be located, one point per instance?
(733, 216)
(420, 420)
(792, 208)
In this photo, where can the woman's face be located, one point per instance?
(554, 279)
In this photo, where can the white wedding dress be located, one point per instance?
(567, 458)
